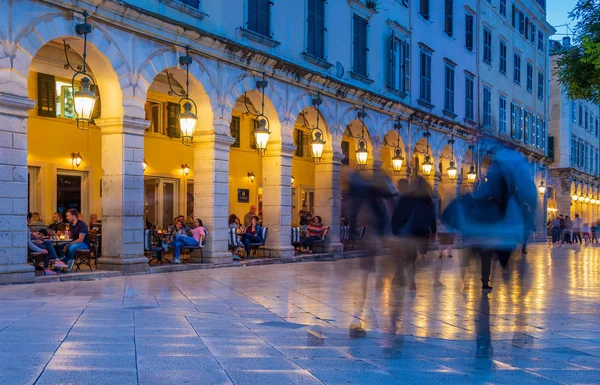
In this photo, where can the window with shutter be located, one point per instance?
(46, 95)
(469, 32)
(252, 136)
(551, 147)
(424, 9)
(259, 16)
(393, 81)
(173, 130)
(425, 92)
(299, 142)
(191, 3)
(98, 105)
(234, 130)
(448, 27)
(316, 28)
(360, 46)
(346, 152)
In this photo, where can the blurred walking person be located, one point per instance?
(567, 229)
(414, 221)
(556, 229)
(577, 225)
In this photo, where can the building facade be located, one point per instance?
(388, 75)
(575, 148)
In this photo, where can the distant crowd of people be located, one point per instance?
(566, 230)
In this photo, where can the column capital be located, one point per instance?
(123, 125)
(220, 141)
(16, 105)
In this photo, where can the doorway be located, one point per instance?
(160, 200)
(71, 191)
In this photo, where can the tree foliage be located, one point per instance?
(578, 67)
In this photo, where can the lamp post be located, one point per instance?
(452, 170)
(362, 153)
(84, 98)
(427, 166)
(261, 127)
(189, 117)
(316, 135)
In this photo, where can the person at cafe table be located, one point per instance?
(80, 239)
(37, 245)
(57, 223)
(198, 234)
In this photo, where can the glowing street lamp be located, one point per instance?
(76, 159)
(397, 160)
(185, 168)
(542, 188)
(471, 175)
(452, 171)
(189, 116)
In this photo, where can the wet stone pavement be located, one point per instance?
(288, 324)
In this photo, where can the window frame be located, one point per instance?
(502, 114)
(487, 107)
(425, 78)
(259, 10)
(469, 31)
(355, 60)
(517, 68)
(540, 88)
(469, 97)
(487, 45)
(449, 87)
(529, 82)
(323, 33)
(503, 60)
(449, 17)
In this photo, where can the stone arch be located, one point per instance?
(104, 57)
(304, 103)
(202, 89)
(245, 83)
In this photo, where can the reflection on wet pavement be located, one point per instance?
(280, 324)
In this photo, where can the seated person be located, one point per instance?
(253, 234)
(198, 234)
(314, 231)
(178, 230)
(57, 224)
(234, 223)
(36, 222)
(79, 235)
(38, 245)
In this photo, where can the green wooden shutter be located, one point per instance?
(173, 130)
(234, 129)
(46, 95)
(253, 15)
(252, 136)
(98, 105)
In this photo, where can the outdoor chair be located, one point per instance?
(36, 258)
(345, 235)
(83, 257)
(189, 249)
(320, 243)
(254, 247)
(297, 239)
(152, 248)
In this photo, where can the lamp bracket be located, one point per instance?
(83, 28)
(263, 83)
(317, 101)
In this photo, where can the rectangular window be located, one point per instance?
(551, 148)
(469, 32)
(591, 123)
(544, 133)
(173, 125)
(521, 23)
(449, 93)
(448, 28)
(502, 114)
(424, 9)
(487, 107)
(580, 115)
(586, 119)
(573, 111)
(68, 192)
(469, 97)
(513, 120)
(346, 152)
(503, 7)
(527, 28)
(234, 129)
(487, 46)
(502, 57)
(529, 78)
(299, 139)
(191, 3)
(526, 126)
(399, 64)
(541, 42)
(154, 114)
(259, 16)
(514, 15)
(586, 156)
(521, 122)
(597, 126)
(315, 35)
(517, 69)
(540, 90)
(425, 93)
(573, 151)
(533, 32)
(360, 46)
(537, 135)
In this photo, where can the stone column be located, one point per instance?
(13, 194)
(328, 198)
(211, 194)
(277, 199)
(123, 195)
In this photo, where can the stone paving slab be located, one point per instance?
(288, 324)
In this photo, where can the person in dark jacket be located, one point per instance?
(414, 219)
